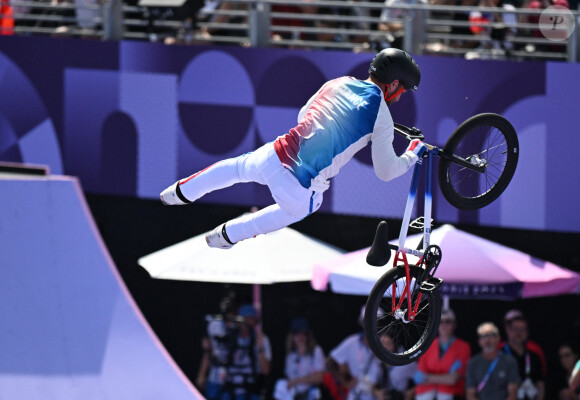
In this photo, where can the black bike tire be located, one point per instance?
(461, 133)
(370, 319)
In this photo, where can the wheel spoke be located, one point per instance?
(471, 184)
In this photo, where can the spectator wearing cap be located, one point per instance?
(441, 371)
(304, 364)
(491, 374)
(529, 355)
(249, 359)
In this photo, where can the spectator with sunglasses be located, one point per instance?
(491, 374)
(441, 371)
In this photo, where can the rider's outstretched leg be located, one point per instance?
(293, 203)
(245, 168)
(249, 225)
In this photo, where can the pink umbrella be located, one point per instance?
(471, 267)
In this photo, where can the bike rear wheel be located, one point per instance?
(411, 338)
(484, 139)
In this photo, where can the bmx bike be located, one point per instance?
(475, 167)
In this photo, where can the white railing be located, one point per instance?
(329, 24)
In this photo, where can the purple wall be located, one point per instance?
(130, 118)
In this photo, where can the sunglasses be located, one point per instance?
(565, 355)
(447, 321)
(487, 335)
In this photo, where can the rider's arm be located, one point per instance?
(386, 163)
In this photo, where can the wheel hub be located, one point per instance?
(400, 315)
(475, 160)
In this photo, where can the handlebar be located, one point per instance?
(415, 133)
(409, 133)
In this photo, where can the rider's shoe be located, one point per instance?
(218, 238)
(172, 196)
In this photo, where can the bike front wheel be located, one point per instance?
(487, 140)
(392, 338)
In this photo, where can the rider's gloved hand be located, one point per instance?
(415, 146)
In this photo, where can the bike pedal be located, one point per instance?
(430, 285)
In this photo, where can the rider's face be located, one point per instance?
(392, 89)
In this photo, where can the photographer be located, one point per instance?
(249, 359)
(221, 331)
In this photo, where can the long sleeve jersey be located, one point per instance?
(341, 118)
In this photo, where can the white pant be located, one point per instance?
(293, 202)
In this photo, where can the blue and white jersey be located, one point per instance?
(339, 120)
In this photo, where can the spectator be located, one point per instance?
(479, 20)
(329, 36)
(530, 344)
(6, 18)
(534, 19)
(305, 364)
(207, 14)
(391, 21)
(495, 25)
(530, 358)
(249, 359)
(355, 367)
(491, 375)
(364, 15)
(395, 382)
(465, 31)
(570, 360)
(441, 374)
(285, 22)
(221, 331)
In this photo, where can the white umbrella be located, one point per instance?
(281, 256)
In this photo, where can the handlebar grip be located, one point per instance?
(380, 251)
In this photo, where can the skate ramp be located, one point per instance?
(69, 328)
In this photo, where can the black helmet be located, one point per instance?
(392, 64)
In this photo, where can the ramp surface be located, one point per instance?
(70, 329)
